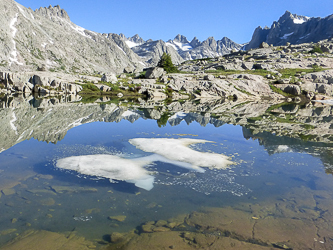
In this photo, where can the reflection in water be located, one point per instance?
(276, 195)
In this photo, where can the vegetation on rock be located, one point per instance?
(167, 64)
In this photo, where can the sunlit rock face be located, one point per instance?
(178, 150)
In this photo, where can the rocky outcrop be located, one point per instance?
(293, 29)
(41, 83)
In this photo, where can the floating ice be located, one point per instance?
(110, 166)
(178, 150)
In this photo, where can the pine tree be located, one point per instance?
(166, 63)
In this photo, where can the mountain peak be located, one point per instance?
(52, 12)
(288, 16)
(181, 39)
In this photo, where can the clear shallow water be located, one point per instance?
(38, 195)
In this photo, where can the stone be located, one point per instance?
(290, 89)
(154, 73)
(116, 237)
(119, 218)
(109, 77)
(37, 240)
(209, 77)
(264, 45)
(8, 191)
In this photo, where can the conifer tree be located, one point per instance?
(166, 63)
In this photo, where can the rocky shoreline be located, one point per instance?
(292, 72)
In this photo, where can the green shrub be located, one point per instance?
(166, 63)
(316, 49)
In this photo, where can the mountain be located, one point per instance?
(151, 52)
(294, 29)
(197, 50)
(46, 38)
(135, 40)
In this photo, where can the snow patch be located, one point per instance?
(12, 122)
(286, 35)
(180, 115)
(13, 54)
(183, 46)
(122, 50)
(21, 10)
(172, 45)
(304, 36)
(128, 113)
(300, 20)
(132, 44)
(44, 45)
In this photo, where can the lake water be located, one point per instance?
(114, 175)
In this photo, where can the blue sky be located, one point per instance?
(159, 19)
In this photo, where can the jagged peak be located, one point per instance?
(136, 38)
(181, 39)
(297, 19)
(51, 12)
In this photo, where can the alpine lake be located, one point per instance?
(200, 174)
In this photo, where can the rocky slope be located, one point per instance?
(293, 29)
(46, 39)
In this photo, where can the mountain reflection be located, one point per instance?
(278, 127)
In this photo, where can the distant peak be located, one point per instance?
(293, 17)
(181, 39)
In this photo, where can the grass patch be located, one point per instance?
(279, 91)
(261, 72)
(307, 126)
(286, 73)
(243, 91)
(276, 106)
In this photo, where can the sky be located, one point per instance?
(159, 19)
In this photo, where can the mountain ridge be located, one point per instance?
(294, 29)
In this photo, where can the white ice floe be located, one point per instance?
(110, 166)
(171, 151)
(178, 150)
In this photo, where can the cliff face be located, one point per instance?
(46, 38)
(294, 29)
